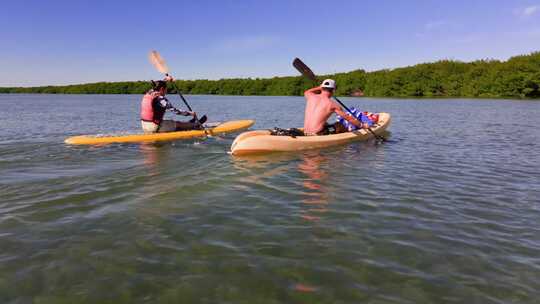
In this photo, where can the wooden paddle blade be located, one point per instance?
(158, 62)
(304, 69)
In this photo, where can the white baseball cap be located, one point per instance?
(329, 83)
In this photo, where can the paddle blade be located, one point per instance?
(158, 62)
(304, 69)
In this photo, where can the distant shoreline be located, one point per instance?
(339, 96)
(516, 78)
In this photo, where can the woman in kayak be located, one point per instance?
(319, 107)
(153, 107)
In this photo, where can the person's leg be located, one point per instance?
(167, 126)
(201, 120)
(149, 127)
(171, 126)
(184, 126)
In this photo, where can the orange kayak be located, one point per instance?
(215, 129)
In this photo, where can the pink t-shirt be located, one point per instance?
(318, 109)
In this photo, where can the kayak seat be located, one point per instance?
(293, 132)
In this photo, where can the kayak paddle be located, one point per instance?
(159, 63)
(308, 73)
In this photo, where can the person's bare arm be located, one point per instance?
(315, 90)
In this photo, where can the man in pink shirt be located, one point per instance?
(319, 107)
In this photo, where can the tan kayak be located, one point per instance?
(257, 142)
(215, 129)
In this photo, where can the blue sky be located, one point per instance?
(78, 41)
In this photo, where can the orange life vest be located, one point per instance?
(149, 111)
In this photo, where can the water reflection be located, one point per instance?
(153, 154)
(256, 168)
(311, 166)
(315, 194)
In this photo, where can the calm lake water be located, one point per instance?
(448, 211)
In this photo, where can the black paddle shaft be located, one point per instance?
(308, 73)
(180, 94)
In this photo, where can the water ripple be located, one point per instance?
(444, 212)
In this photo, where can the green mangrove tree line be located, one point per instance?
(518, 77)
